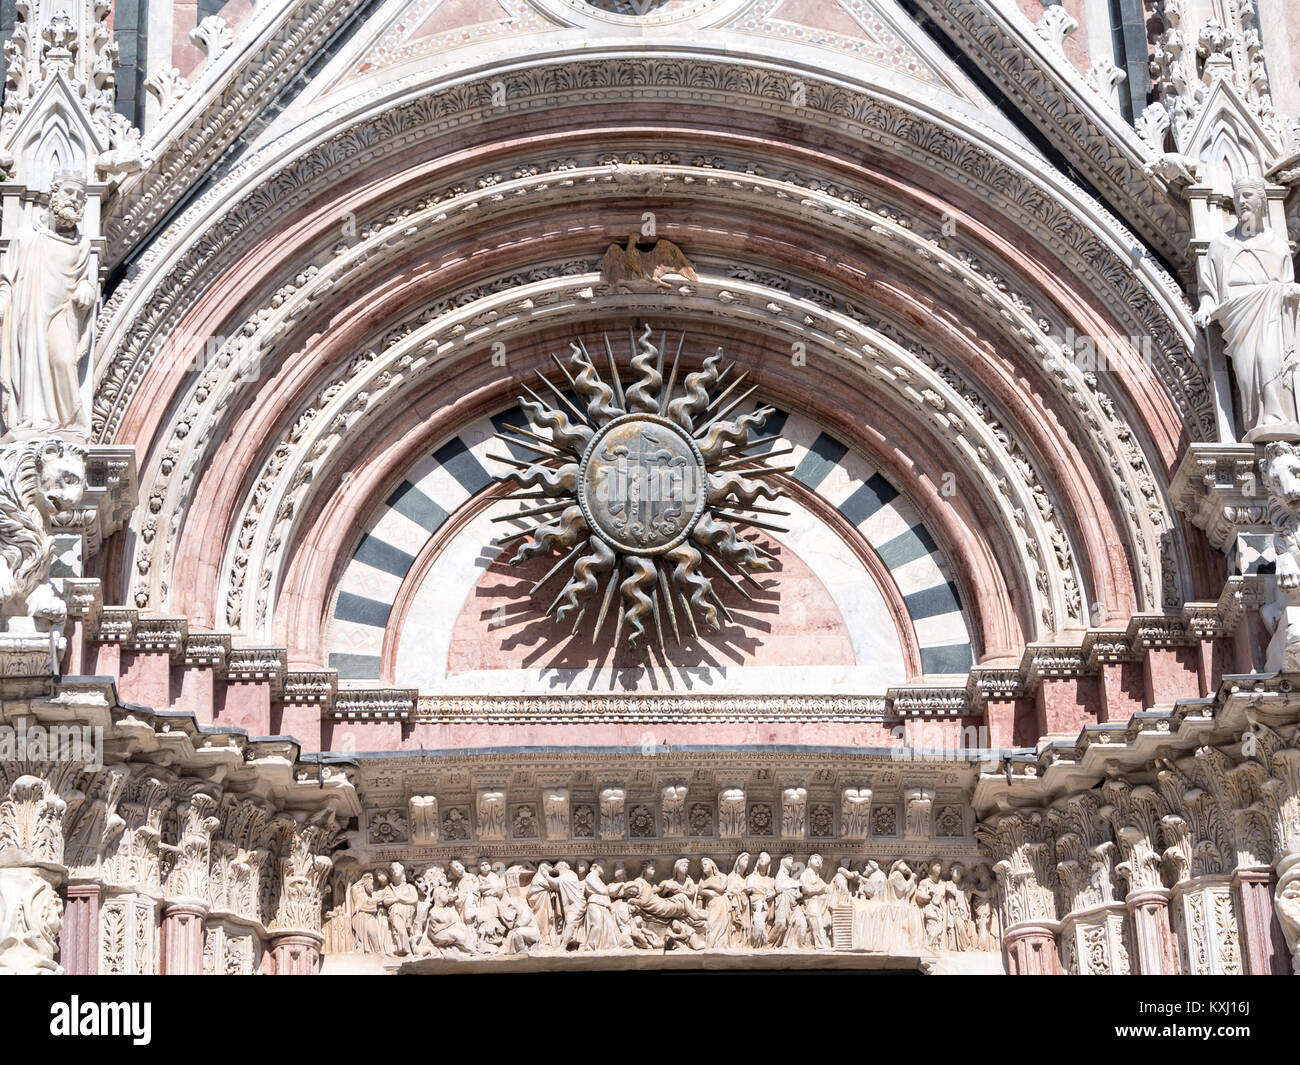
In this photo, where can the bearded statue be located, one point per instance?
(1248, 287)
(1280, 468)
(38, 479)
(47, 294)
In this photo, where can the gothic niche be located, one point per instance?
(639, 493)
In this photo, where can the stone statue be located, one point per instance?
(400, 906)
(365, 914)
(555, 806)
(717, 908)
(984, 913)
(794, 812)
(931, 896)
(600, 931)
(38, 479)
(491, 811)
(613, 820)
(673, 807)
(545, 906)
(738, 900)
(789, 922)
(573, 901)
(959, 926)
(47, 294)
(522, 932)
(1280, 469)
(1248, 286)
(762, 889)
(645, 266)
(731, 812)
(816, 902)
(491, 894)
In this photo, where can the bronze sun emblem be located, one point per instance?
(646, 485)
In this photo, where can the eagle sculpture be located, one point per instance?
(645, 267)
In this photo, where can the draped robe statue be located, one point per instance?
(1248, 287)
(46, 297)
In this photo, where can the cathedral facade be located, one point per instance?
(591, 484)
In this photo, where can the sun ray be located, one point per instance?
(686, 564)
(722, 572)
(530, 512)
(643, 396)
(684, 409)
(723, 540)
(553, 481)
(727, 391)
(563, 532)
(583, 585)
(727, 463)
(634, 595)
(589, 386)
(535, 448)
(558, 395)
(554, 570)
(668, 602)
(654, 609)
(613, 370)
(609, 595)
(667, 393)
(733, 516)
(540, 463)
(563, 433)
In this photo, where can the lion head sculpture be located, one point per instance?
(39, 479)
(1280, 468)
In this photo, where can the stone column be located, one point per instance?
(1031, 950)
(1024, 850)
(1153, 938)
(79, 937)
(181, 945)
(1262, 942)
(303, 842)
(1134, 813)
(296, 953)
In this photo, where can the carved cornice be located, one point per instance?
(918, 701)
(207, 650)
(1198, 621)
(352, 704)
(503, 709)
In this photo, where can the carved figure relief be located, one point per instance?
(467, 910)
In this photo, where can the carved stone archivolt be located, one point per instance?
(400, 369)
